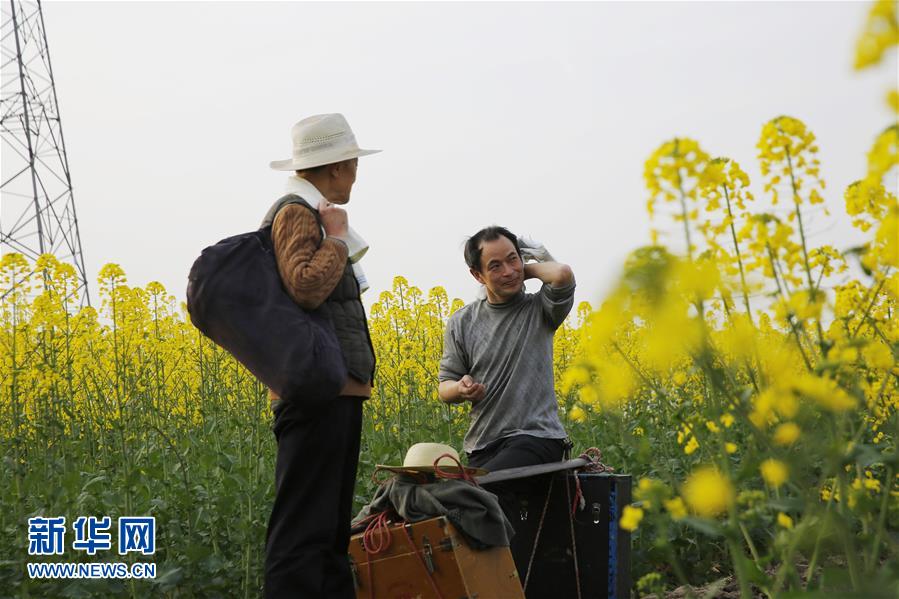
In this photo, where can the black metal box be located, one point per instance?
(603, 549)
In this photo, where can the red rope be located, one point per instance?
(578, 495)
(377, 538)
(593, 456)
(594, 461)
(462, 474)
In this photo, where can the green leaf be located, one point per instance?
(712, 590)
(866, 455)
(786, 504)
(170, 578)
(704, 526)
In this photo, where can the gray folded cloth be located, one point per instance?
(472, 510)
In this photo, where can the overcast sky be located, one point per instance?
(534, 116)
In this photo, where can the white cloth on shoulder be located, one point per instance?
(356, 245)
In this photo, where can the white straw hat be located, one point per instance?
(321, 139)
(422, 456)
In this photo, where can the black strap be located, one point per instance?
(292, 198)
(526, 471)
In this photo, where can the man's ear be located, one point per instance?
(478, 276)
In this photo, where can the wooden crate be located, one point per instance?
(443, 560)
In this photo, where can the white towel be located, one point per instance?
(356, 245)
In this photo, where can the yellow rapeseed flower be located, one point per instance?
(691, 446)
(615, 383)
(825, 392)
(676, 508)
(786, 433)
(872, 484)
(881, 32)
(577, 414)
(730, 447)
(708, 492)
(587, 395)
(883, 156)
(884, 251)
(649, 490)
(878, 355)
(784, 520)
(775, 472)
(866, 202)
(631, 518)
(893, 100)
(573, 377)
(769, 401)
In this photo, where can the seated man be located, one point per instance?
(498, 355)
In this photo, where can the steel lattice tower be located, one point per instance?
(37, 215)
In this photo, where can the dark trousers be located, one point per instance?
(513, 452)
(524, 497)
(516, 451)
(315, 474)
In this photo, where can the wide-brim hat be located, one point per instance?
(422, 457)
(321, 139)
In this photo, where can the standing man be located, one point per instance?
(498, 353)
(315, 473)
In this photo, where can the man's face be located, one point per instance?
(343, 183)
(502, 272)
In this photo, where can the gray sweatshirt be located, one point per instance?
(509, 349)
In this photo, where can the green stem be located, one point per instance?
(733, 235)
(870, 304)
(683, 204)
(845, 533)
(675, 564)
(750, 544)
(813, 562)
(735, 550)
(780, 291)
(808, 269)
(881, 520)
(786, 562)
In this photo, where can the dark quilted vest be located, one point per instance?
(345, 310)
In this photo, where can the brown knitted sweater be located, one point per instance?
(310, 267)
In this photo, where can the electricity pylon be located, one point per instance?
(37, 215)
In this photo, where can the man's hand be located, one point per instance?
(534, 250)
(471, 391)
(465, 389)
(334, 219)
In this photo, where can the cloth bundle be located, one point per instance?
(476, 513)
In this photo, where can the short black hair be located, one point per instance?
(473, 247)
